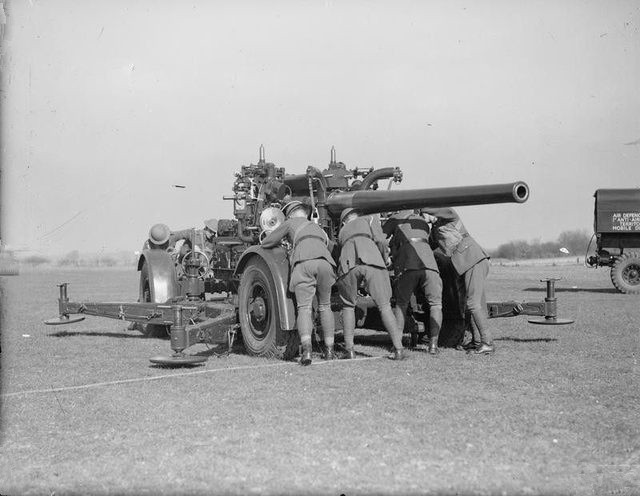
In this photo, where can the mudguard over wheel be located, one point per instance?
(149, 330)
(258, 314)
(625, 273)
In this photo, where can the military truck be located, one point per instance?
(617, 232)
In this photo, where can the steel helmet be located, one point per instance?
(211, 224)
(159, 234)
(293, 205)
(345, 213)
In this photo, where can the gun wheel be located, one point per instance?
(625, 273)
(258, 315)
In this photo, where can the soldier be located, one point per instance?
(415, 268)
(362, 260)
(312, 272)
(210, 232)
(472, 263)
(181, 240)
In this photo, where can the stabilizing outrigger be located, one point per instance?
(210, 322)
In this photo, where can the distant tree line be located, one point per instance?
(75, 259)
(575, 242)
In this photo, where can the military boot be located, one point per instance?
(483, 349)
(329, 353)
(305, 359)
(349, 354)
(422, 344)
(397, 354)
(470, 347)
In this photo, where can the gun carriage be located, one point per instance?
(207, 289)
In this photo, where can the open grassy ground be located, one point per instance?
(555, 411)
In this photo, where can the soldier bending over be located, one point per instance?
(312, 272)
(361, 261)
(471, 262)
(415, 268)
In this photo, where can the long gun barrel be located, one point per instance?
(368, 202)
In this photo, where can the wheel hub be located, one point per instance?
(258, 309)
(632, 274)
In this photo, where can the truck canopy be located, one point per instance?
(617, 210)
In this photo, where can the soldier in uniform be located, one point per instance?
(181, 240)
(415, 268)
(362, 260)
(472, 263)
(210, 231)
(312, 273)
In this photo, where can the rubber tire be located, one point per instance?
(257, 275)
(626, 261)
(149, 330)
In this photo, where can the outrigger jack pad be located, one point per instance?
(178, 360)
(64, 320)
(551, 321)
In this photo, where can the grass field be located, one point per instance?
(555, 411)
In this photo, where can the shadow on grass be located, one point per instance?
(341, 351)
(176, 366)
(67, 334)
(527, 340)
(573, 290)
(213, 351)
(377, 340)
(220, 351)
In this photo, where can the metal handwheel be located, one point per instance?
(195, 258)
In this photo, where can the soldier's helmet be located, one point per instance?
(159, 234)
(292, 206)
(211, 224)
(345, 213)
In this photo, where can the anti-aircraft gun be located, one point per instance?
(211, 286)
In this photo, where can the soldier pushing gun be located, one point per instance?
(471, 262)
(312, 272)
(415, 268)
(362, 260)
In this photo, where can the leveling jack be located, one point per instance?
(63, 317)
(551, 306)
(178, 344)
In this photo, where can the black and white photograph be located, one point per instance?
(319, 247)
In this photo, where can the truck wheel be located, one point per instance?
(149, 330)
(625, 273)
(259, 317)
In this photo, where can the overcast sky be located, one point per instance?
(107, 104)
